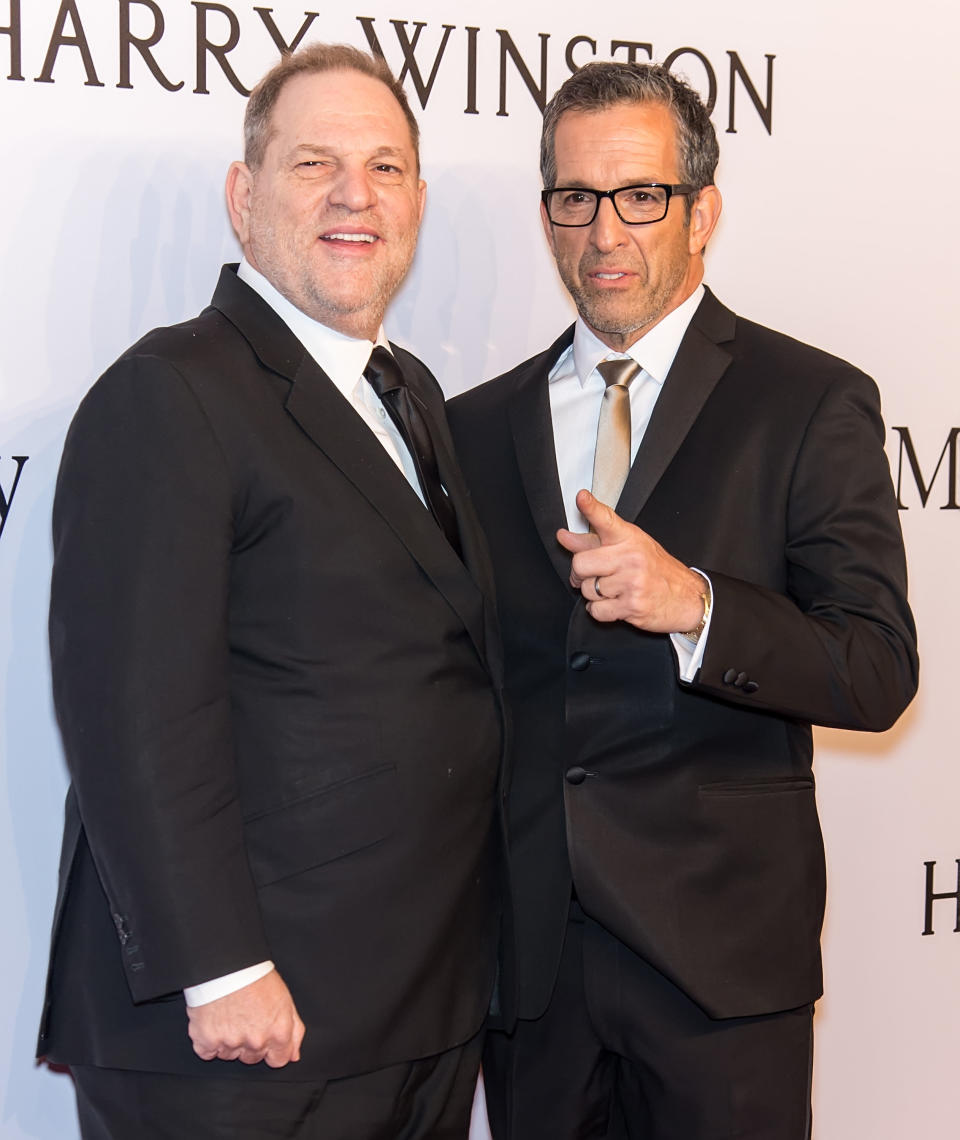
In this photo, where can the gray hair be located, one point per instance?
(313, 60)
(598, 86)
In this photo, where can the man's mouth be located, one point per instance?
(609, 276)
(338, 236)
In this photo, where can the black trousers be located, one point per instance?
(430, 1099)
(622, 1054)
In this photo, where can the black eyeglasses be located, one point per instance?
(637, 205)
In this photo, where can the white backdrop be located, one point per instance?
(837, 228)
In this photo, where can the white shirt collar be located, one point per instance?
(342, 358)
(654, 351)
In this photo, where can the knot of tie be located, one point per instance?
(383, 373)
(619, 372)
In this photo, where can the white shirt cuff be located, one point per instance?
(205, 992)
(690, 653)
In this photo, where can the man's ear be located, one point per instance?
(239, 189)
(704, 215)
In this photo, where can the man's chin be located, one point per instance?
(616, 324)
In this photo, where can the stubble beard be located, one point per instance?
(621, 320)
(355, 313)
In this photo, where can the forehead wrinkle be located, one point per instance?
(632, 143)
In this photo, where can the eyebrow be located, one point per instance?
(319, 149)
(579, 184)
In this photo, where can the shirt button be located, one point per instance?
(381, 412)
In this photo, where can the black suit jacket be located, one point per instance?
(694, 836)
(278, 689)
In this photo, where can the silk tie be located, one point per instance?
(611, 460)
(385, 377)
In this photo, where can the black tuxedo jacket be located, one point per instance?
(693, 837)
(279, 694)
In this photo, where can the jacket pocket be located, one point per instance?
(337, 820)
(757, 787)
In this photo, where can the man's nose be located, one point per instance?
(607, 230)
(354, 188)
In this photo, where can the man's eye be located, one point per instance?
(576, 198)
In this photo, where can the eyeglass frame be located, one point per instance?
(678, 188)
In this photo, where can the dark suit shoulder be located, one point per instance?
(192, 388)
(201, 340)
(492, 396)
(210, 360)
(155, 361)
(488, 398)
(790, 361)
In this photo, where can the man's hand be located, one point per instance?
(625, 576)
(256, 1023)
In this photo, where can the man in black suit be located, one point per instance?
(666, 855)
(277, 678)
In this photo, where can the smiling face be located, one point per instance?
(330, 218)
(624, 279)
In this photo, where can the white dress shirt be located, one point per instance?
(576, 393)
(343, 359)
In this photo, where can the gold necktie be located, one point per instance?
(611, 461)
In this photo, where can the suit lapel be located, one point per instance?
(474, 546)
(533, 441)
(698, 365)
(334, 426)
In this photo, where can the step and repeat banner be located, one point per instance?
(118, 119)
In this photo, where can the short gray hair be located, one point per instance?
(313, 60)
(599, 86)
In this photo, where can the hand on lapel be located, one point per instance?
(624, 575)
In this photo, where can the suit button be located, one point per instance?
(751, 687)
(580, 661)
(730, 676)
(575, 775)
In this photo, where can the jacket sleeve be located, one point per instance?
(140, 659)
(838, 647)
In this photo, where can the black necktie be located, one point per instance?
(386, 379)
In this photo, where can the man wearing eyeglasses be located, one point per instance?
(736, 575)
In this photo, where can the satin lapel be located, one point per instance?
(333, 425)
(533, 442)
(473, 543)
(269, 336)
(698, 365)
(474, 546)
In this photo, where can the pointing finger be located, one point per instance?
(603, 520)
(575, 541)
